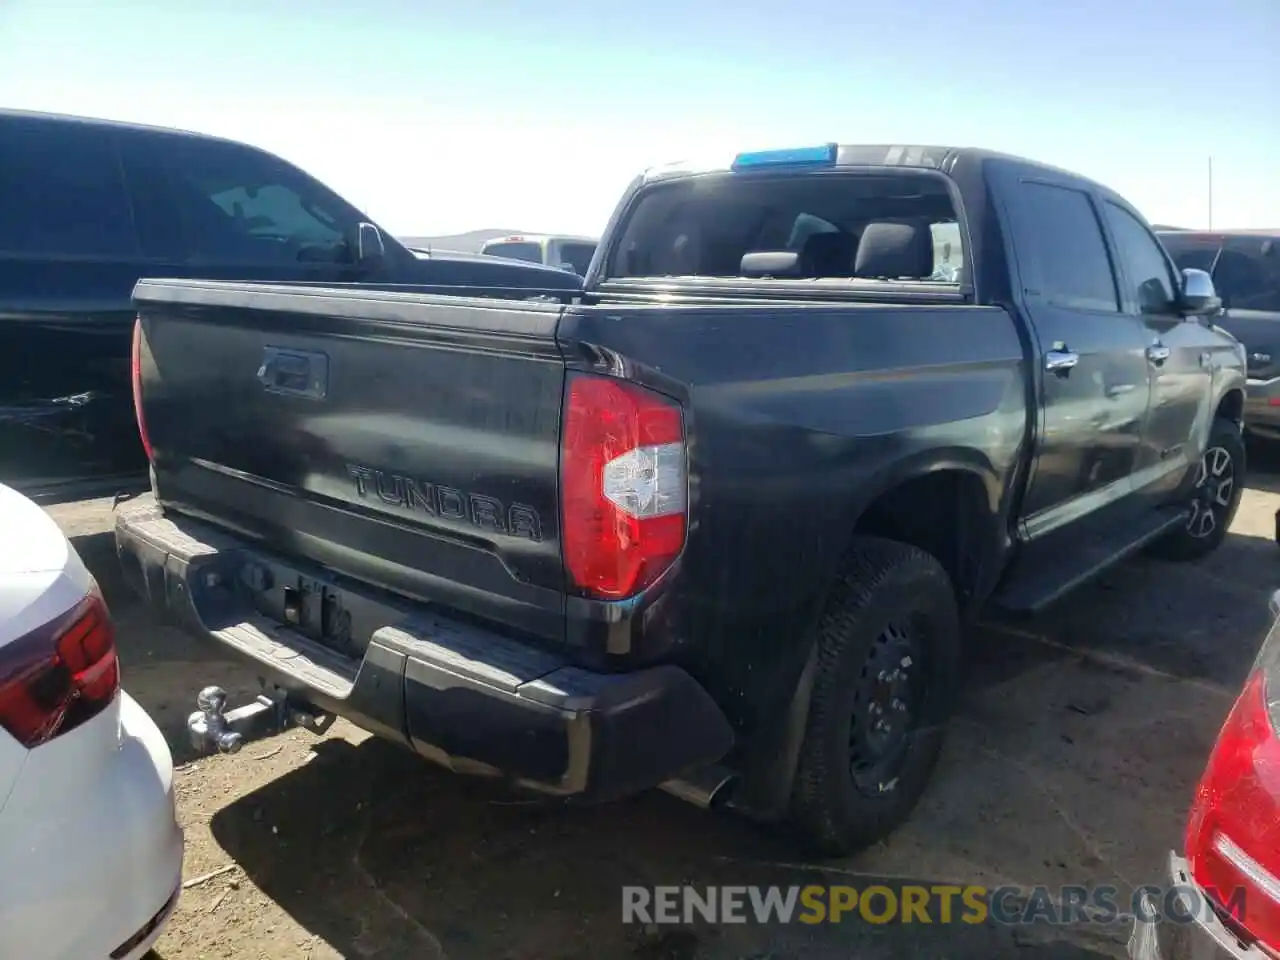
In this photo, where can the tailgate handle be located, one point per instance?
(296, 373)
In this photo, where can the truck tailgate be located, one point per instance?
(410, 443)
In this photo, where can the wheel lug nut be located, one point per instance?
(899, 706)
(906, 662)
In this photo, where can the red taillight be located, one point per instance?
(624, 485)
(1233, 834)
(136, 372)
(55, 678)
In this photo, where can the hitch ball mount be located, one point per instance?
(215, 728)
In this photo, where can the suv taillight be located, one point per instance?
(624, 485)
(1233, 834)
(136, 373)
(60, 675)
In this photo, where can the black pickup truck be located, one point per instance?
(716, 523)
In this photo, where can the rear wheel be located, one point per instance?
(1215, 496)
(888, 658)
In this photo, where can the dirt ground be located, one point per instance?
(1073, 758)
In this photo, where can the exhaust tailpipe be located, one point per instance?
(703, 788)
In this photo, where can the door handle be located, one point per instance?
(1158, 353)
(1060, 361)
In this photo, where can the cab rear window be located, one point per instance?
(826, 226)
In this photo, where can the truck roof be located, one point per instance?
(1270, 234)
(541, 238)
(6, 112)
(925, 156)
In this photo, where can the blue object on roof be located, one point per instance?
(822, 156)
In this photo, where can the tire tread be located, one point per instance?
(872, 564)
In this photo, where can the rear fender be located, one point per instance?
(769, 761)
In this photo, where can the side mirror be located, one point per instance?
(1198, 297)
(1153, 298)
(370, 250)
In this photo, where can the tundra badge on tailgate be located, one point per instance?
(447, 503)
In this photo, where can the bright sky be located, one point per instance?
(440, 116)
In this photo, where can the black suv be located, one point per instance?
(1245, 265)
(90, 207)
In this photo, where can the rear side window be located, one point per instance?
(1061, 251)
(516, 250)
(215, 202)
(897, 227)
(61, 193)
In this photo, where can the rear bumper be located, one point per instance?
(462, 695)
(1198, 935)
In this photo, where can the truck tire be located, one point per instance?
(1215, 497)
(888, 658)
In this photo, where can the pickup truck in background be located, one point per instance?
(89, 207)
(716, 524)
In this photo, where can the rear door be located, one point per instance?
(1094, 376)
(69, 258)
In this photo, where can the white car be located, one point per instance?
(90, 848)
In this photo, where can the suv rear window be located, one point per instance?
(577, 255)
(839, 226)
(516, 250)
